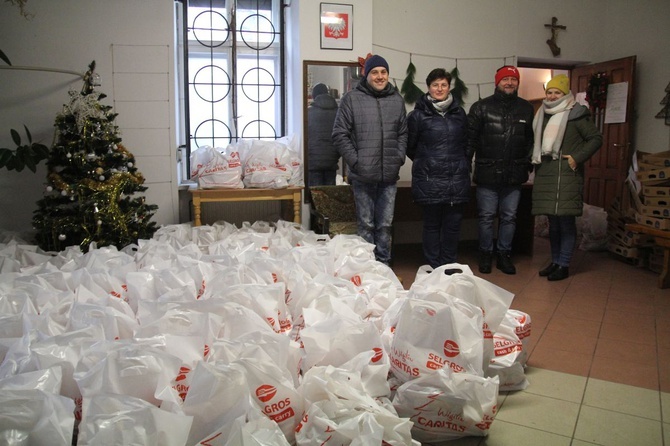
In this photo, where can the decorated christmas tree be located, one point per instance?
(91, 193)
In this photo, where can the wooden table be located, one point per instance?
(662, 239)
(248, 194)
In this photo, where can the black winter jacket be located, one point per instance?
(370, 132)
(500, 137)
(320, 118)
(437, 145)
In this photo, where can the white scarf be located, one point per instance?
(441, 106)
(549, 142)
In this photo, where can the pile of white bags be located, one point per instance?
(249, 163)
(259, 335)
(454, 343)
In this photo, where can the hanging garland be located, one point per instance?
(596, 91)
(458, 87)
(410, 92)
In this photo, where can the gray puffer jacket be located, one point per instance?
(370, 132)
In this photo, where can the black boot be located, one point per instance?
(504, 263)
(485, 262)
(548, 270)
(559, 273)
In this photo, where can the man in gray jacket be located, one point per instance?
(370, 132)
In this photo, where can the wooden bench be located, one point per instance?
(662, 239)
(200, 196)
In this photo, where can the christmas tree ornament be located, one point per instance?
(49, 188)
(61, 237)
(411, 93)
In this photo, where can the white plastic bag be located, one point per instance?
(447, 405)
(339, 411)
(122, 419)
(267, 165)
(593, 227)
(430, 336)
(217, 167)
(30, 417)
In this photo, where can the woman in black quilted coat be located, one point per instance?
(437, 146)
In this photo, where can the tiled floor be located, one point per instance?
(599, 366)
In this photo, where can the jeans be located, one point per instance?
(501, 200)
(441, 229)
(321, 177)
(375, 203)
(562, 238)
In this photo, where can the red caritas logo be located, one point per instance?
(266, 392)
(451, 348)
(356, 280)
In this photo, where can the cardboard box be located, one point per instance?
(661, 159)
(645, 167)
(656, 201)
(657, 223)
(661, 174)
(629, 238)
(656, 191)
(623, 251)
(655, 211)
(617, 235)
(656, 263)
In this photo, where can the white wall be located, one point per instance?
(131, 42)
(304, 44)
(597, 30)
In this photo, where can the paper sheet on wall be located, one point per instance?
(617, 97)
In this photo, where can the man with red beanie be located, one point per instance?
(500, 138)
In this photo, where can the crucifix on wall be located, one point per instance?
(555, 50)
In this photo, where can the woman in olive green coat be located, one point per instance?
(565, 138)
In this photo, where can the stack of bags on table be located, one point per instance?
(259, 335)
(249, 163)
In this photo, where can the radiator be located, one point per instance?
(239, 212)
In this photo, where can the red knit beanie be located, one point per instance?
(506, 71)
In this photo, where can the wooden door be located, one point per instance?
(606, 171)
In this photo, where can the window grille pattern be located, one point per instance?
(234, 67)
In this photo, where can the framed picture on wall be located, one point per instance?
(337, 26)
